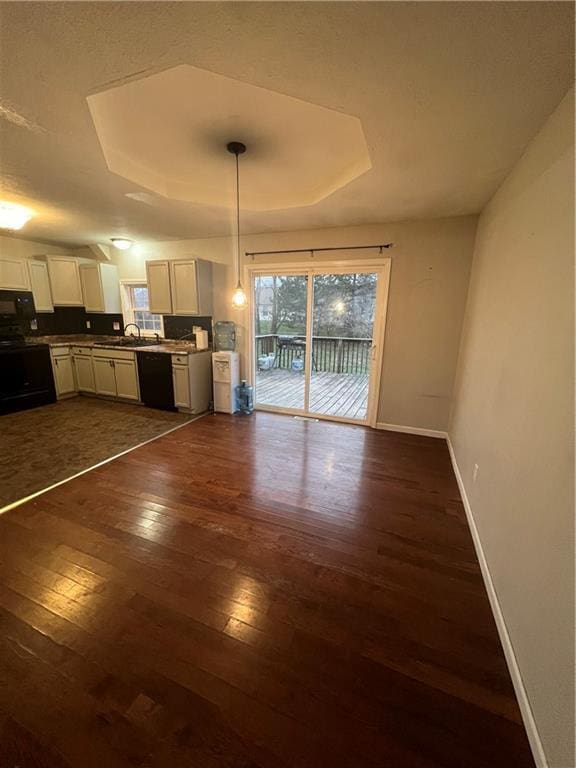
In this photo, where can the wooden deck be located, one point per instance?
(331, 394)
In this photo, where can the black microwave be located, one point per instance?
(16, 307)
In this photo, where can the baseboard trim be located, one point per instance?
(513, 668)
(411, 430)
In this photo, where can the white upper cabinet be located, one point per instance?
(180, 287)
(40, 284)
(158, 280)
(65, 281)
(184, 288)
(13, 275)
(100, 287)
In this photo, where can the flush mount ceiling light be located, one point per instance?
(121, 243)
(13, 216)
(239, 299)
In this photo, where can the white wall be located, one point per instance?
(514, 417)
(12, 247)
(430, 270)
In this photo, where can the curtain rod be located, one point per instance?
(312, 251)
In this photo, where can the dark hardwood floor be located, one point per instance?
(253, 592)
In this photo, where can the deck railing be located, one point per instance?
(329, 353)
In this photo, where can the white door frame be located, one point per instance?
(380, 266)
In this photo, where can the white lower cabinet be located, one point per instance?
(181, 379)
(104, 376)
(191, 375)
(126, 379)
(63, 370)
(116, 374)
(108, 372)
(84, 374)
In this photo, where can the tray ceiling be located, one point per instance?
(446, 95)
(168, 132)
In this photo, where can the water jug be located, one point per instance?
(245, 397)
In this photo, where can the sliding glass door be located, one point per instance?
(316, 338)
(280, 323)
(343, 313)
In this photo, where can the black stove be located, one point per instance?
(26, 379)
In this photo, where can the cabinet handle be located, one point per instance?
(56, 361)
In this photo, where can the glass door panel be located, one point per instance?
(280, 315)
(343, 313)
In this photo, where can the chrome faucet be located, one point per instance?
(135, 326)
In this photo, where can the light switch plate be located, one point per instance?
(116, 326)
(87, 323)
(34, 325)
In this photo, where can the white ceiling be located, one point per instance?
(448, 95)
(297, 153)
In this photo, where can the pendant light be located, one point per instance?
(239, 298)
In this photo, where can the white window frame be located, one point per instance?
(128, 309)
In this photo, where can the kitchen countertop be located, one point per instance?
(169, 346)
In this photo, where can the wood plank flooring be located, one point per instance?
(253, 592)
(331, 394)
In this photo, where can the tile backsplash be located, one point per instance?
(176, 326)
(72, 320)
(66, 320)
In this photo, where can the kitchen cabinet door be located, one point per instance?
(64, 375)
(104, 376)
(92, 293)
(84, 373)
(100, 288)
(184, 288)
(13, 275)
(158, 281)
(181, 379)
(40, 284)
(126, 379)
(65, 281)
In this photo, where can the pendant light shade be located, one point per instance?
(239, 298)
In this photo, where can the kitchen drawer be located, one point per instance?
(59, 351)
(179, 359)
(81, 351)
(113, 354)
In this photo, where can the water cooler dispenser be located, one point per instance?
(226, 377)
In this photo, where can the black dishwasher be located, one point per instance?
(155, 375)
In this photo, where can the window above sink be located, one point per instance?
(135, 308)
